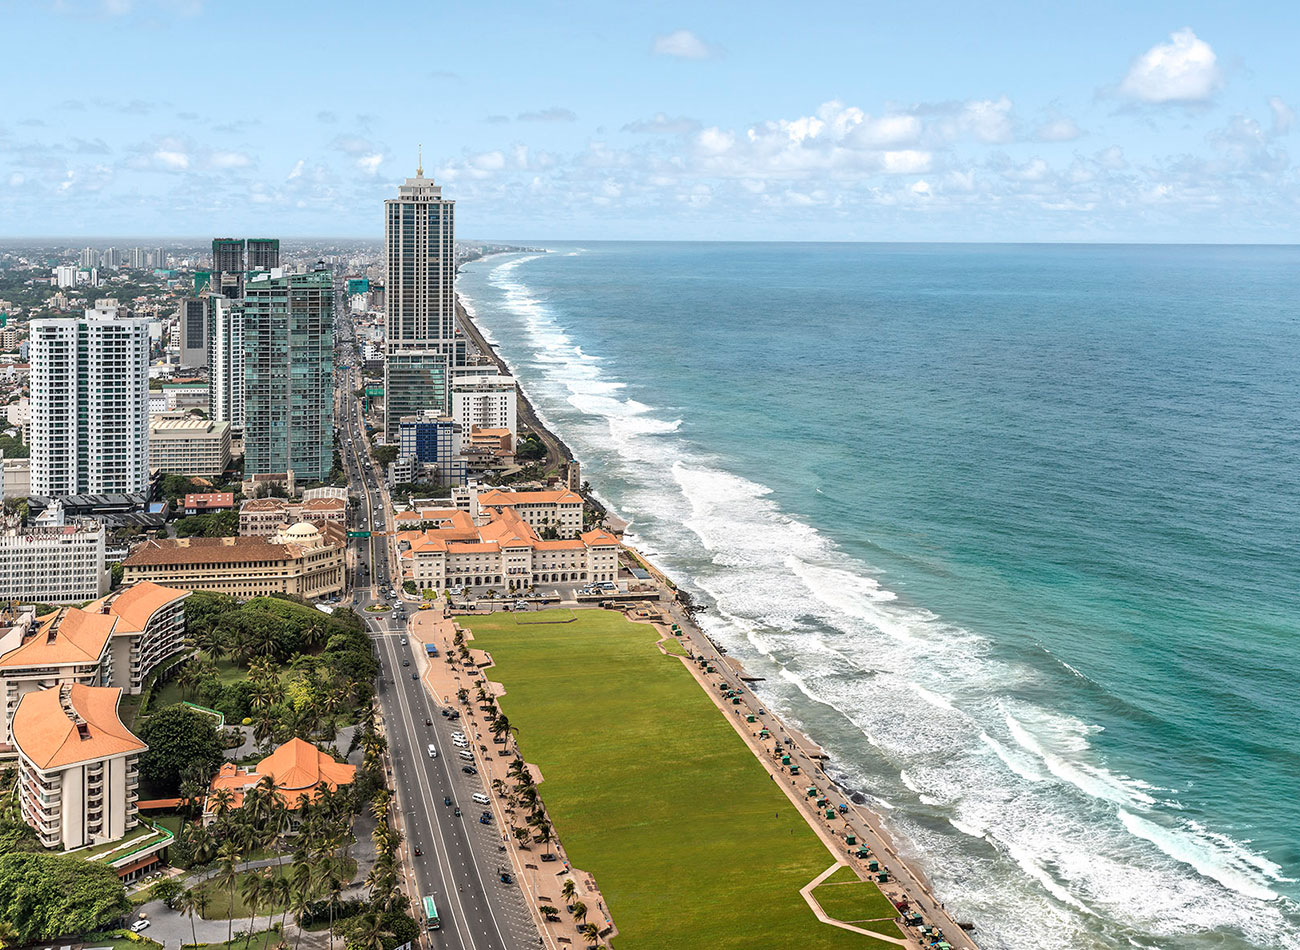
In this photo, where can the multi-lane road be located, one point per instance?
(461, 858)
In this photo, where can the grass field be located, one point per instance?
(858, 901)
(652, 791)
(219, 897)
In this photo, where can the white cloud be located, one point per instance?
(1060, 129)
(553, 114)
(887, 130)
(16, 179)
(1283, 116)
(296, 172)
(921, 187)
(989, 120)
(370, 163)
(172, 159)
(230, 160)
(1184, 70)
(682, 44)
(905, 162)
(714, 141)
(662, 124)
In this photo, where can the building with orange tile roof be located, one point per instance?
(37, 653)
(150, 628)
(77, 765)
(304, 559)
(502, 553)
(298, 770)
(558, 509)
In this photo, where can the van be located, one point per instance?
(467, 756)
(460, 743)
(433, 753)
(481, 798)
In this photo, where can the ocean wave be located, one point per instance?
(847, 659)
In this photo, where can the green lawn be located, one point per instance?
(219, 897)
(849, 902)
(843, 875)
(674, 646)
(652, 791)
(170, 692)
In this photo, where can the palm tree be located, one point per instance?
(544, 835)
(254, 891)
(521, 835)
(281, 893)
(222, 800)
(188, 902)
(579, 911)
(569, 889)
(590, 933)
(549, 912)
(229, 857)
(372, 932)
(303, 880)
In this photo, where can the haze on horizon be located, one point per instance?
(730, 121)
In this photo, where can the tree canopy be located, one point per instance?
(43, 896)
(183, 744)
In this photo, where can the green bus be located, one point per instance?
(431, 918)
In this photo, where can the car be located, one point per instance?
(418, 852)
(433, 753)
(428, 721)
(454, 714)
(485, 819)
(414, 675)
(506, 878)
(457, 734)
(480, 798)
(139, 925)
(403, 641)
(446, 800)
(456, 812)
(445, 712)
(469, 770)
(406, 663)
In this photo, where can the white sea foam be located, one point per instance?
(935, 703)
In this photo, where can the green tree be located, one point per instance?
(182, 744)
(47, 895)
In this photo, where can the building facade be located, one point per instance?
(263, 517)
(304, 560)
(148, 628)
(415, 382)
(289, 374)
(226, 362)
(192, 326)
(557, 509)
(486, 402)
(53, 565)
(90, 404)
(184, 445)
(77, 775)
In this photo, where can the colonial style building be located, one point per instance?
(305, 560)
(445, 548)
(77, 765)
(559, 510)
(297, 770)
(262, 517)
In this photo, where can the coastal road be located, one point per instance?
(460, 857)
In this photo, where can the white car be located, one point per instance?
(458, 735)
(139, 925)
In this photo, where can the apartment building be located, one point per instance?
(149, 627)
(77, 772)
(485, 402)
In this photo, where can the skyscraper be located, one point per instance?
(263, 253)
(226, 361)
(420, 303)
(192, 321)
(289, 374)
(90, 404)
(228, 267)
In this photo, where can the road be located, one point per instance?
(461, 857)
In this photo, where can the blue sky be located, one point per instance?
(830, 121)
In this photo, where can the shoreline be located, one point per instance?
(906, 880)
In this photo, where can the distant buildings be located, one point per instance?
(184, 445)
(420, 301)
(78, 773)
(263, 517)
(289, 374)
(304, 560)
(90, 403)
(65, 563)
(203, 503)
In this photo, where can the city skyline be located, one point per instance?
(1161, 124)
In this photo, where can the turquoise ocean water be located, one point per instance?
(1013, 531)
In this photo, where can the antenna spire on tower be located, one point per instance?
(419, 168)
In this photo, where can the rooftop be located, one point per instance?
(71, 724)
(61, 637)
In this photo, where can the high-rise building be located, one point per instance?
(263, 254)
(111, 258)
(228, 255)
(136, 258)
(90, 403)
(192, 322)
(485, 402)
(289, 374)
(89, 257)
(226, 361)
(420, 305)
(157, 258)
(66, 275)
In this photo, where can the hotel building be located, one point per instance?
(185, 445)
(263, 517)
(52, 565)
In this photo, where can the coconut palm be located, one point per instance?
(228, 875)
(254, 891)
(569, 889)
(281, 895)
(590, 933)
(187, 903)
(579, 912)
(304, 880)
(370, 935)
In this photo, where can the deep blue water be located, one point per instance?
(1013, 531)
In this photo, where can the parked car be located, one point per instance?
(139, 925)
(469, 770)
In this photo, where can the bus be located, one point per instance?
(431, 918)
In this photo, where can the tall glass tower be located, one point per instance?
(289, 374)
(419, 300)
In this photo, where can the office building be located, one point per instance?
(420, 301)
(263, 254)
(226, 362)
(305, 560)
(184, 445)
(192, 323)
(485, 402)
(60, 564)
(289, 374)
(77, 765)
(89, 257)
(434, 444)
(90, 403)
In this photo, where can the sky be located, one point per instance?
(1104, 121)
